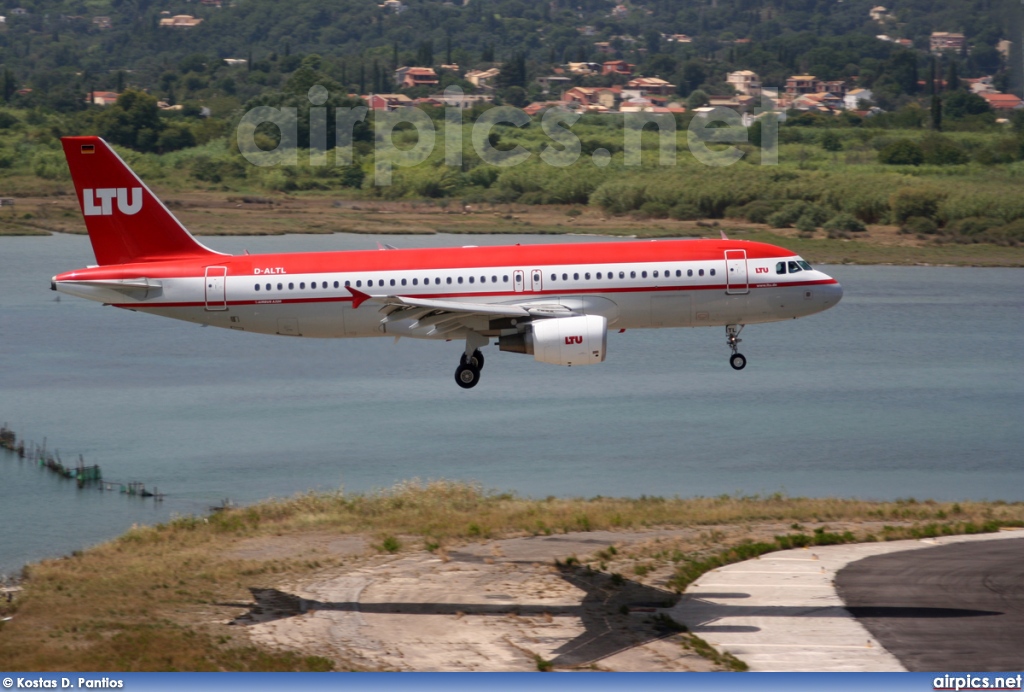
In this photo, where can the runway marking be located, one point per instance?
(773, 586)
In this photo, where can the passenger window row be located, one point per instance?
(622, 275)
(381, 283)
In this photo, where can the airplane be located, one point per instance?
(554, 302)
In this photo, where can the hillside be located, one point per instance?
(63, 48)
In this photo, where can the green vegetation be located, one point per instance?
(935, 140)
(704, 649)
(967, 202)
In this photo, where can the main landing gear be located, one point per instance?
(468, 373)
(732, 333)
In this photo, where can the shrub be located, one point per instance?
(757, 211)
(942, 151)
(684, 212)
(654, 210)
(806, 223)
(920, 225)
(914, 201)
(902, 152)
(830, 141)
(845, 223)
(351, 176)
(974, 225)
(788, 215)
(1011, 233)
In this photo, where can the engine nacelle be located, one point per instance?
(581, 340)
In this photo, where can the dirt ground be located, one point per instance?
(519, 604)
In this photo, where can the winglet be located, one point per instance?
(358, 297)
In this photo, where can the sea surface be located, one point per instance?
(912, 387)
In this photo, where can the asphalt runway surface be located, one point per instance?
(957, 607)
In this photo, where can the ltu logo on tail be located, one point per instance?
(99, 202)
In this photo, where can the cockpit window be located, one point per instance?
(804, 265)
(794, 268)
(780, 268)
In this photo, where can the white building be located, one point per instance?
(745, 82)
(855, 97)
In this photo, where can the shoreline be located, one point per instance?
(226, 214)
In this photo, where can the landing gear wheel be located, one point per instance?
(467, 376)
(732, 333)
(476, 360)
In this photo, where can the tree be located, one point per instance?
(176, 136)
(698, 99)
(902, 69)
(513, 72)
(8, 85)
(134, 121)
(952, 76)
(425, 54)
(936, 113)
(693, 76)
(515, 96)
(960, 104)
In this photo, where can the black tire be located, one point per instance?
(738, 361)
(476, 360)
(467, 376)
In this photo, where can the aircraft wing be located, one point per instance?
(450, 315)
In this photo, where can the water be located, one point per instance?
(911, 387)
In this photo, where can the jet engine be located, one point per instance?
(581, 340)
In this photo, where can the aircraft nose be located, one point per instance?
(832, 294)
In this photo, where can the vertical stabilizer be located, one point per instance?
(125, 220)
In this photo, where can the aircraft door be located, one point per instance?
(518, 282)
(736, 281)
(536, 280)
(216, 288)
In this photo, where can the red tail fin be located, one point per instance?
(125, 220)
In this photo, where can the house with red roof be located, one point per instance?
(1003, 102)
(408, 77)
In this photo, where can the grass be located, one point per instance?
(149, 600)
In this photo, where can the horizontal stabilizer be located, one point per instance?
(136, 288)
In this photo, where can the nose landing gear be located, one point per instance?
(732, 332)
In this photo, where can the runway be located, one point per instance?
(944, 604)
(955, 607)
